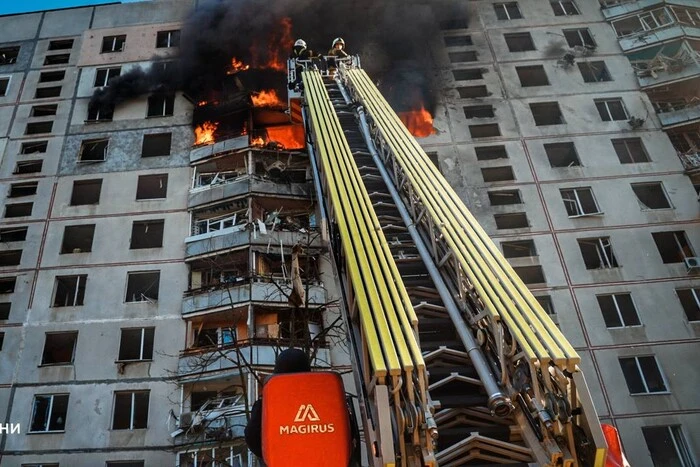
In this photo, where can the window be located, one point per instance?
(519, 41)
(5, 310)
(8, 55)
(545, 302)
(673, 246)
(18, 210)
(52, 76)
(456, 23)
(78, 238)
(160, 106)
(130, 410)
(155, 145)
(93, 150)
(479, 111)
(86, 192)
(457, 41)
(519, 249)
(469, 92)
(36, 128)
(43, 464)
(100, 114)
(70, 290)
(504, 197)
(667, 446)
(7, 284)
(532, 76)
(579, 202)
(27, 167)
(103, 75)
(690, 300)
(597, 253)
(642, 375)
(651, 195)
(45, 93)
(484, 131)
(59, 348)
(61, 44)
(113, 43)
(630, 150)
(58, 59)
(498, 174)
(142, 286)
(34, 147)
(466, 56)
(517, 220)
(618, 310)
(49, 413)
(468, 75)
(4, 84)
(152, 187)
(13, 234)
(594, 72)
(564, 8)
(10, 257)
(2, 339)
(165, 39)
(505, 11)
(611, 109)
(579, 37)
(547, 113)
(487, 153)
(562, 154)
(147, 234)
(136, 344)
(17, 190)
(530, 274)
(44, 110)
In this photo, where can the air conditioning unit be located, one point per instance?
(692, 263)
(186, 419)
(635, 122)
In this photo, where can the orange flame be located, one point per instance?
(201, 103)
(288, 136)
(279, 43)
(266, 98)
(204, 134)
(257, 141)
(236, 66)
(418, 122)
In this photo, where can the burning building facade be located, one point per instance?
(165, 241)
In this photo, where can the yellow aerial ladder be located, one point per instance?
(455, 360)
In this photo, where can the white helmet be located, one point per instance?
(300, 43)
(338, 40)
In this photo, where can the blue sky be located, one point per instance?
(23, 6)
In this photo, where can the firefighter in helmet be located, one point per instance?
(338, 48)
(300, 53)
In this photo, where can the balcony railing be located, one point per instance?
(690, 160)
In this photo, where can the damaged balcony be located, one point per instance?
(677, 104)
(686, 141)
(657, 25)
(666, 63)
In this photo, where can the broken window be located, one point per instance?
(530, 274)
(4, 85)
(46, 110)
(167, 39)
(611, 109)
(5, 310)
(479, 111)
(7, 284)
(564, 8)
(57, 59)
(690, 300)
(519, 41)
(498, 174)
(78, 238)
(579, 37)
(61, 44)
(70, 290)
(466, 56)
(113, 43)
(519, 249)
(579, 202)
(667, 446)
(52, 76)
(157, 144)
(8, 55)
(152, 187)
(34, 147)
(59, 348)
(594, 72)
(630, 150)
(160, 106)
(470, 92)
(457, 41)
(17, 190)
(147, 234)
(45, 93)
(86, 192)
(532, 76)
(13, 234)
(18, 210)
(130, 410)
(49, 413)
(504, 197)
(93, 150)
(103, 75)
(562, 154)
(597, 253)
(673, 246)
(136, 344)
(10, 257)
(468, 75)
(618, 310)
(142, 286)
(97, 114)
(643, 375)
(651, 195)
(484, 131)
(547, 113)
(36, 128)
(516, 220)
(488, 153)
(456, 23)
(506, 11)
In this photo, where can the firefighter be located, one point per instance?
(299, 53)
(338, 48)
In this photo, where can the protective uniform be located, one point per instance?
(338, 51)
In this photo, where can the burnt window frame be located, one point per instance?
(41, 145)
(463, 56)
(464, 40)
(82, 183)
(486, 126)
(39, 93)
(70, 231)
(13, 51)
(108, 73)
(152, 141)
(163, 181)
(589, 73)
(172, 39)
(470, 74)
(164, 102)
(83, 148)
(479, 111)
(78, 290)
(73, 334)
(143, 298)
(584, 36)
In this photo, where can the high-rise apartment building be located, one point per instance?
(141, 274)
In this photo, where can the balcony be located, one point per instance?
(615, 8)
(680, 112)
(219, 418)
(223, 188)
(235, 236)
(668, 63)
(231, 144)
(656, 26)
(691, 162)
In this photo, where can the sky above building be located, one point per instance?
(8, 6)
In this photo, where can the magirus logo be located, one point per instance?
(306, 413)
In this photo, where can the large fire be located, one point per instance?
(418, 122)
(204, 133)
(236, 66)
(289, 136)
(267, 98)
(279, 44)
